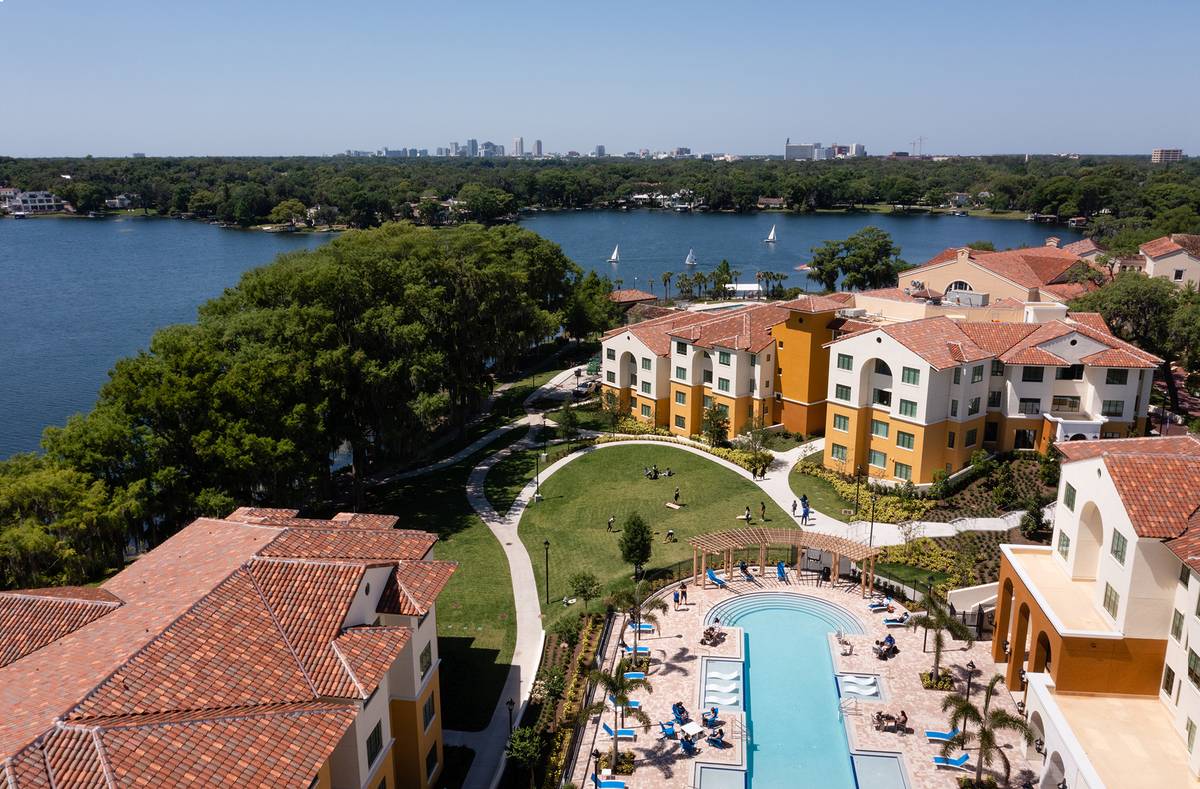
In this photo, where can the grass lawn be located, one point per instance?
(509, 477)
(580, 497)
(907, 574)
(593, 417)
(821, 495)
(476, 616)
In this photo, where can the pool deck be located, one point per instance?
(675, 675)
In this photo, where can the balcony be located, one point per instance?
(1074, 426)
(1068, 603)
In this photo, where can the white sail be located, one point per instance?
(616, 255)
(691, 259)
(771, 236)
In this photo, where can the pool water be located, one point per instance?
(791, 698)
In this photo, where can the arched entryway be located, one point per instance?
(1041, 654)
(1003, 615)
(1017, 647)
(1056, 771)
(1039, 736)
(1078, 437)
(875, 384)
(1089, 538)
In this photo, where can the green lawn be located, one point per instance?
(509, 477)
(580, 497)
(593, 417)
(476, 616)
(907, 574)
(821, 495)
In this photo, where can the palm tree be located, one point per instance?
(639, 610)
(986, 723)
(938, 619)
(666, 281)
(619, 687)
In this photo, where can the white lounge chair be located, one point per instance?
(730, 687)
(720, 698)
(857, 691)
(854, 679)
(724, 675)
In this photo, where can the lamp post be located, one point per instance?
(928, 599)
(857, 484)
(871, 536)
(970, 676)
(510, 704)
(546, 545)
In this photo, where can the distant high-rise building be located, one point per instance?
(472, 147)
(537, 148)
(857, 149)
(1162, 155)
(682, 153)
(454, 149)
(139, 155)
(518, 148)
(599, 151)
(793, 151)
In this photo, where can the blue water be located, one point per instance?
(798, 739)
(653, 242)
(78, 294)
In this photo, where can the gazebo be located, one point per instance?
(724, 543)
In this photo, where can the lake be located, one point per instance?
(78, 294)
(656, 241)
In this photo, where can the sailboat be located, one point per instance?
(770, 239)
(690, 260)
(615, 258)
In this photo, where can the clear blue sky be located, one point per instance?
(267, 77)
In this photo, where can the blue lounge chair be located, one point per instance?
(668, 730)
(688, 746)
(640, 650)
(622, 734)
(879, 605)
(631, 704)
(941, 736)
(643, 627)
(897, 622)
(713, 577)
(954, 764)
(780, 572)
(607, 783)
(635, 675)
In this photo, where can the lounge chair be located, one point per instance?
(781, 572)
(668, 730)
(622, 734)
(629, 703)
(643, 627)
(640, 650)
(860, 691)
(857, 680)
(897, 621)
(713, 577)
(879, 605)
(635, 675)
(941, 736)
(607, 783)
(720, 698)
(688, 746)
(954, 764)
(724, 675)
(718, 687)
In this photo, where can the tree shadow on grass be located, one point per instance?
(471, 682)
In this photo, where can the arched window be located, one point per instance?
(958, 284)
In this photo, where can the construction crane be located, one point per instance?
(918, 146)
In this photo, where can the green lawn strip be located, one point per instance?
(476, 615)
(821, 495)
(593, 417)
(581, 496)
(907, 574)
(508, 478)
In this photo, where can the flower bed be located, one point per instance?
(562, 700)
(945, 681)
(889, 508)
(739, 457)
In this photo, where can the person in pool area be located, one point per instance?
(902, 721)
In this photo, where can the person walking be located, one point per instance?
(676, 495)
(747, 515)
(762, 511)
(793, 508)
(611, 520)
(804, 511)
(675, 598)
(683, 593)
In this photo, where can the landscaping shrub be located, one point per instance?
(891, 507)
(740, 457)
(624, 763)
(630, 426)
(944, 682)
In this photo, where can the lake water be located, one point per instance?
(78, 294)
(656, 241)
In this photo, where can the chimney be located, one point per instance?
(964, 254)
(1053, 241)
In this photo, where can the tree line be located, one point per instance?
(378, 340)
(1128, 199)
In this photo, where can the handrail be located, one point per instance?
(846, 705)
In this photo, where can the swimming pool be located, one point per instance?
(791, 698)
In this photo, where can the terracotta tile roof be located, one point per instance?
(655, 333)
(1165, 445)
(1025, 339)
(259, 514)
(842, 296)
(745, 329)
(1115, 357)
(1082, 247)
(414, 587)
(32, 618)
(1030, 267)
(347, 543)
(996, 338)
(812, 304)
(73, 759)
(938, 341)
(1093, 320)
(364, 520)
(902, 294)
(1160, 492)
(1189, 241)
(847, 326)
(1160, 247)
(368, 653)
(631, 296)
(1065, 291)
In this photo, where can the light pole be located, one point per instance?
(510, 704)
(928, 602)
(857, 484)
(546, 545)
(871, 536)
(970, 676)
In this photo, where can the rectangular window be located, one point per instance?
(1191, 725)
(753, 359)
(1179, 278)
(645, 363)
(879, 428)
(429, 710)
(1177, 625)
(972, 434)
(610, 354)
(646, 412)
(681, 398)
(903, 471)
(877, 458)
(1029, 405)
(680, 347)
(374, 743)
(1194, 668)
(997, 367)
(724, 409)
(905, 440)
(426, 659)
(1116, 377)
(681, 373)
(882, 397)
(1068, 403)
(841, 392)
(1112, 408)
(1033, 375)
(950, 439)
(841, 422)
(723, 357)
(1185, 575)
(723, 384)
(708, 401)
(680, 421)
(1069, 496)
(1072, 373)
(908, 408)
(1168, 683)
(1024, 439)
(610, 376)
(910, 375)
(990, 430)
(845, 361)
(1119, 544)
(977, 373)
(431, 761)
(706, 377)
(953, 408)
(1064, 545)
(973, 406)
(957, 376)
(994, 399)
(1111, 600)
(838, 452)
(645, 387)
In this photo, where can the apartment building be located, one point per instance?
(907, 400)
(258, 649)
(1165, 155)
(1101, 629)
(1029, 274)
(34, 203)
(1175, 257)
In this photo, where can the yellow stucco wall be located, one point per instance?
(804, 362)
(930, 452)
(980, 279)
(692, 409)
(413, 741)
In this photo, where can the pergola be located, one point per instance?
(724, 543)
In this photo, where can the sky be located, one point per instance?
(169, 77)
